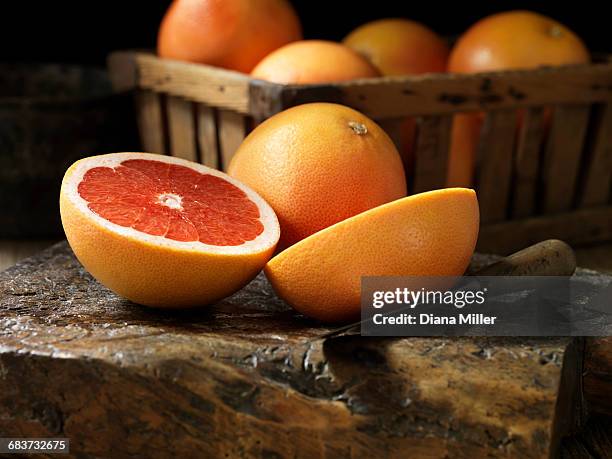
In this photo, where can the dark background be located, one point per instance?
(86, 31)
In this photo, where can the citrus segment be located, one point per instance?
(428, 234)
(165, 232)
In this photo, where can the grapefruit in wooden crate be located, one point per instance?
(530, 186)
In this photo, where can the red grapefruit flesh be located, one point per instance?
(172, 201)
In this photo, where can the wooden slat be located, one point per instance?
(562, 156)
(207, 136)
(466, 131)
(527, 162)
(150, 121)
(198, 83)
(576, 227)
(181, 129)
(494, 164)
(598, 174)
(431, 162)
(437, 94)
(231, 134)
(388, 97)
(449, 93)
(393, 128)
(402, 132)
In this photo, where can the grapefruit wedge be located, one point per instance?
(165, 232)
(428, 234)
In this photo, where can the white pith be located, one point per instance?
(171, 200)
(265, 240)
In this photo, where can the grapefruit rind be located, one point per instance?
(153, 270)
(320, 275)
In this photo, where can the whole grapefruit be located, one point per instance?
(399, 46)
(234, 34)
(504, 41)
(313, 61)
(516, 40)
(318, 164)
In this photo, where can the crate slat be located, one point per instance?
(494, 164)
(388, 97)
(150, 121)
(198, 83)
(527, 162)
(562, 156)
(576, 227)
(181, 129)
(438, 94)
(431, 155)
(207, 136)
(393, 128)
(598, 174)
(232, 130)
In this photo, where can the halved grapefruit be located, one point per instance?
(427, 234)
(165, 232)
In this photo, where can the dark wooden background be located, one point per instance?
(86, 31)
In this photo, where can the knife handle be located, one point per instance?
(547, 258)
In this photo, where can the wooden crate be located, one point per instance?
(530, 186)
